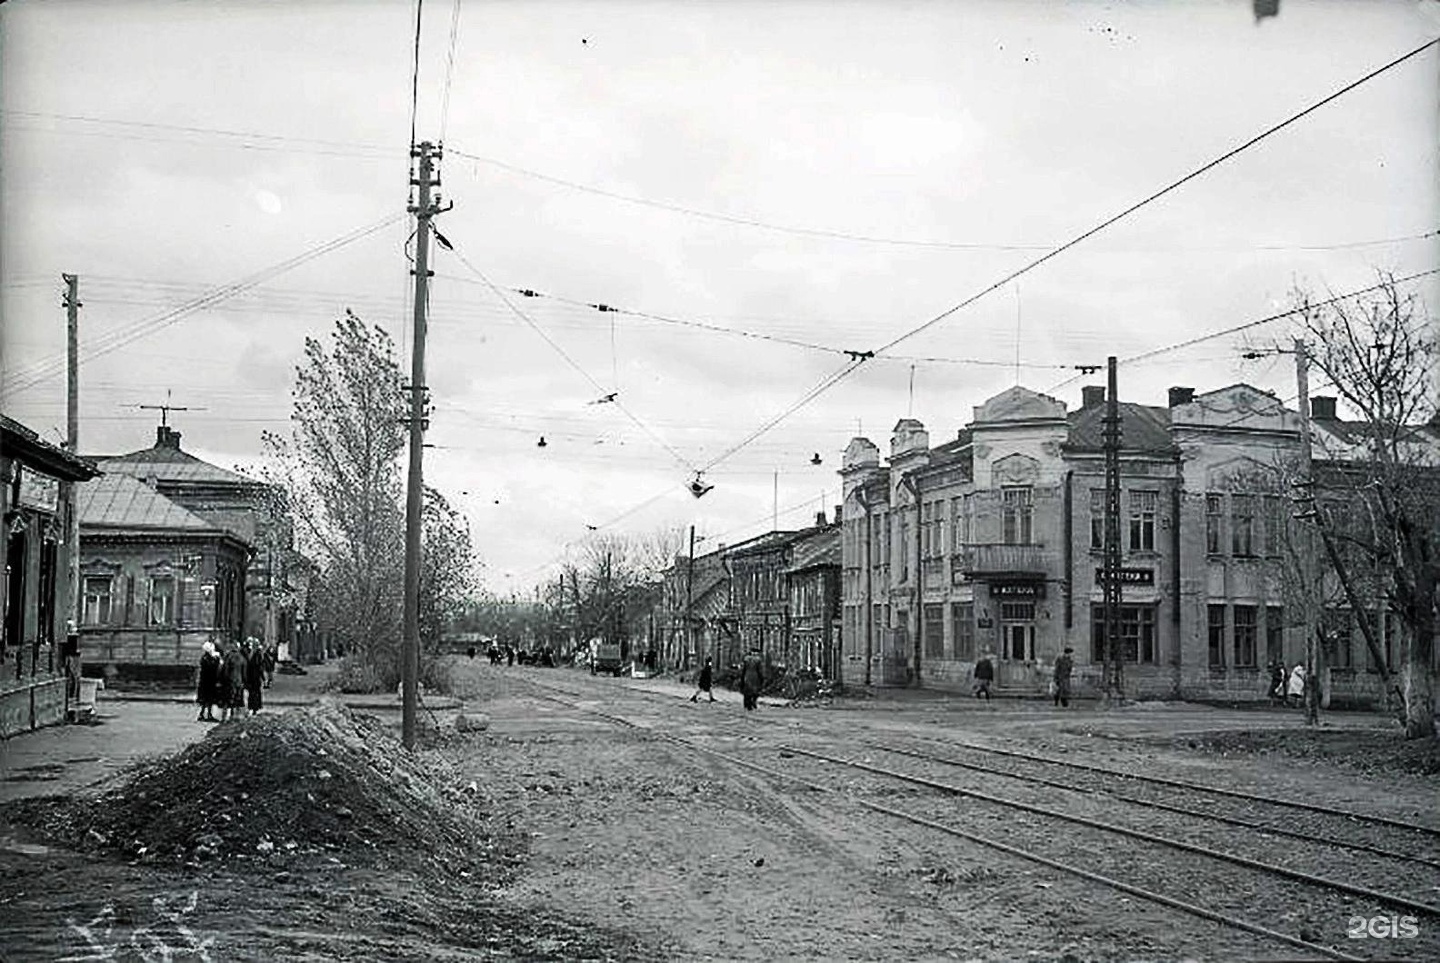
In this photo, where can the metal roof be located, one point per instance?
(172, 465)
(121, 502)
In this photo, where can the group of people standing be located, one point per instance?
(232, 675)
(1287, 688)
(752, 679)
(984, 677)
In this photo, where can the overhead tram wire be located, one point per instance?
(1174, 185)
(1269, 319)
(849, 369)
(119, 338)
(449, 72)
(599, 389)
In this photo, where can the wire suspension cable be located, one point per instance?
(119, 338)
(449, 70)
(840, 375)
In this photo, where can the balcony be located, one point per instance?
(1000, 561)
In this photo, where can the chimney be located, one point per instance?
(1092, 396)
(839, 514)
(1181, 396)
(166, 437)
(1322, 408)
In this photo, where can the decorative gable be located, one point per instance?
(1019, 404)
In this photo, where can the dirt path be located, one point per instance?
(616, 843)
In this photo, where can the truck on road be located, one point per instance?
(605, 657)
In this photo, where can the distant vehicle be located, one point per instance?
(605, 657)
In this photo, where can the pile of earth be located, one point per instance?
(319, 782)
(1370, 750)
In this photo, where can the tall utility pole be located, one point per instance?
(689, 600)
(1114, 656)
(72, 442)
(424, 210)
(1308, 581)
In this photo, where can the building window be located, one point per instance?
(1017, 511)
(1274, 634)
(1246, 635)
(1137, 633)
(162, 600)
(934, 630)
(1217, 636)
(1338, 632)
(1242, 525)
(904, 547)
(1214, 506)
(1097, 519)
(1142, 521)
(97, 599)
(1274, 525)
(962, 618)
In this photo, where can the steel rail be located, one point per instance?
(1167, 807)
(1158, 898)
(1391, 899)
(1183, 784)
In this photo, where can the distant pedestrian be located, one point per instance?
(751, 678)
(984, 675)
(254, 675)
(705, 682)
(1295, 688)
(272, 655)
(207, 686)
(1063, 667)
(1277, 681)
(509, 655)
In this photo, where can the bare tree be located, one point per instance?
(1380, 354)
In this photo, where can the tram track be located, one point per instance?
(1319, 904)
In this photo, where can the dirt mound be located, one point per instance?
(1365, 749)
(318, 782)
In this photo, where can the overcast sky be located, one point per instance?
(835, 174)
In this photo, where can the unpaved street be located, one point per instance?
(614, 819)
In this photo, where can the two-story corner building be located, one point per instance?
(157, 580)
(276, 576)
(813, 578)
(993, 543)
(37, 486)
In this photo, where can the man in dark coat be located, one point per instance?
(706, 680)
(208, 685)
(984, 675)
(231, 688)
(1063, 667)
(751, 678)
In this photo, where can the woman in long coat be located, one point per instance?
(207, 688)
(254, 674)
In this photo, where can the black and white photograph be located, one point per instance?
(646, 480)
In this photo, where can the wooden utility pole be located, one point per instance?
(72, 442)
(424, 210)
(689, 600)
(1114, 655)
(1308, 581)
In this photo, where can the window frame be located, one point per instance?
(1245, 636)
(1144, 507)
(104, 599)
(1017, 512)
(1215, 634)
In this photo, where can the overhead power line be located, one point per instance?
(114, 340)
(600, 389)
(1268, 319)
(849, 369)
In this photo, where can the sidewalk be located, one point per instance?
(131, 726)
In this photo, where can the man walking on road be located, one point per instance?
(1063, 667)
(750, 681)
(984, 675)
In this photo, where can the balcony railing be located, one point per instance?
(988, 560)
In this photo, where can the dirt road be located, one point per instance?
(625, 822)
